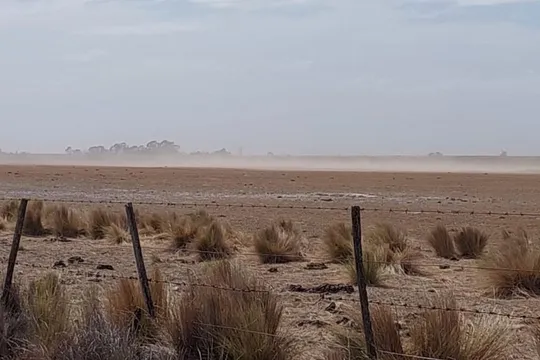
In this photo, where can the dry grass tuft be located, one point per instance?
(126, 309)
(3, 224)
(94, 337)
(471, 242)
(446, 335)
(211, 323)
(66, 222)
(374, 266)
(442, 242)
(350, 342)
(212, 243)
(400, 256)
(99, 220)
(183, 231)
(339, 242)
(117, 234)
(201, 218)
(279, 243)
(385, 233)
(156, 223)
(48, 311)
(14, 326)
(33, 222)
(9, 210)
(513, 269)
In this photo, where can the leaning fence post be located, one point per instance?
(361, 281)
(8, 281)
(141, 270)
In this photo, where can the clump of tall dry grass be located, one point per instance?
(338, 242)
(279, 243)
(9, 210)
(208, 322)
(471, 242)
(212, 243)
(438, 333)
(400, 257)
(3, 224)
(48, 311)
(99, 220)
(14, 325)
(374, 260)
(350, 342)
(513, 268)
(183, 231)
(442, 242)
(125, 306)
(33, 221)
(95, 337)
(65, 222)
(117, 234)
(444, 334)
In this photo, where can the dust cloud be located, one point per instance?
(462, 164)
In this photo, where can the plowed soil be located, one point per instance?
(307, 315)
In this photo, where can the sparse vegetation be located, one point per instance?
(212, 243)
(470, 242)
(279, 243)
(339, 243)
(513, 268)
(442, 242)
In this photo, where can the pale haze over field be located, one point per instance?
(288, 76)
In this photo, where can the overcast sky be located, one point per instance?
(288, 76)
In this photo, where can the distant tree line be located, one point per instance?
(152, 147)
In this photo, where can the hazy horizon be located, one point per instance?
(299, 77)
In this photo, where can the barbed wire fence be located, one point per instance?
(363, 300)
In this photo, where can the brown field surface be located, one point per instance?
(306, 315)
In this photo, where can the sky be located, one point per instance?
(337, 77)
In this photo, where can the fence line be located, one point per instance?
(325, 260)
(287, 207)
(322, 296)
(365, 301)
(432, 307)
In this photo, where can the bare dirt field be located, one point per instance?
(306, 315)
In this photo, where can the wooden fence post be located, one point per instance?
(141, 270)
(8, 281)
(361, 281)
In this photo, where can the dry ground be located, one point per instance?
(305, 314)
